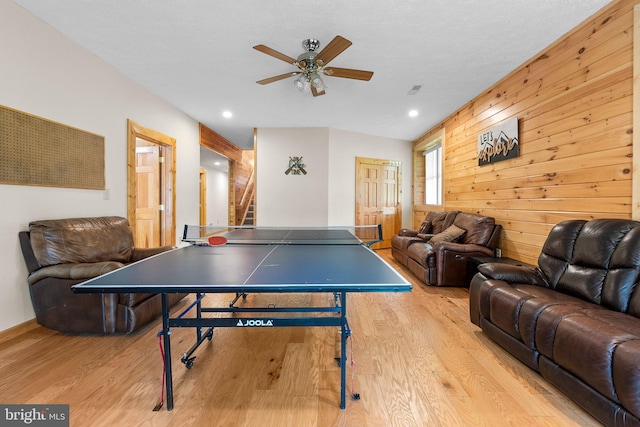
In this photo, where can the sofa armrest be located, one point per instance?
(451, 261)
(27, 252)
(142, 253)
(75, 271)
(513, 273)
(463, 248)
(408, 233)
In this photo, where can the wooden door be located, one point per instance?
(148, 200)
(151, 200)
(378, 196)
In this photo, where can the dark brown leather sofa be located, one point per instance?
(61, 253)
(576, 317)
(444, 263)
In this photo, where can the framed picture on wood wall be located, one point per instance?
(499, 143)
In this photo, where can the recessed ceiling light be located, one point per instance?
(216, 163)
(227, 114)
(413, 113)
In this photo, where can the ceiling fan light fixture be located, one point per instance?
(302, 83)
(317, 82)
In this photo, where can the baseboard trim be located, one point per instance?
(11, 333)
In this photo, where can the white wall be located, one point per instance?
(45, 74)
(292, 200)
(326, 195)
(344, 147)
(217, 197)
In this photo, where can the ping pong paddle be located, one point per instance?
(217, 240)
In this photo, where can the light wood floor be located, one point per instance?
(418, 361)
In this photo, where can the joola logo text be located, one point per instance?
(254, 322)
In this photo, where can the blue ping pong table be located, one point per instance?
(256, 260)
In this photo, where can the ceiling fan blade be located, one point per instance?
(276, 78)
(333, 49)
(348, 73)
(265, 49)
(316, 92)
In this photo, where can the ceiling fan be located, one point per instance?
(312, 65)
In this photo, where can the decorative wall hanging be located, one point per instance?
(36, 151)
(499, 143)
(296, 167)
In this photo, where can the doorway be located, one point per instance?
(378, 195)
(151, 183)
(214, 188)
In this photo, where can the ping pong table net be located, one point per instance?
(252, 235)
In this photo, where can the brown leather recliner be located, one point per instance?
(445, 263)
(576, 317)
(61, 253)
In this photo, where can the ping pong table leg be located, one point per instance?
(187, 358)
(343, 348)
(167, 351)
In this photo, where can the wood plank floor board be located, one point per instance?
(417, 361)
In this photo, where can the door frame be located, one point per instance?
(381, 162)
(203, 196)
(168, 179)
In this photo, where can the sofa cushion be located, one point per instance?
(81, 240)
(74, 271)
(479, 228)
(626, 375)
(597, 261)
(440, 220)
(422, 253)
(425, 227)
(451, 234)
(586, 343)
(601, 246)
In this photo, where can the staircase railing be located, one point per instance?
(245, 200)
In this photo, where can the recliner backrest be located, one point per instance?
(596, 260)
(81, 240)
(440, 221)
(479, 228)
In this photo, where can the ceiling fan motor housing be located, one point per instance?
(311, 45)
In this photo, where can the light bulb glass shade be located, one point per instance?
(300, 82)
(317, 82)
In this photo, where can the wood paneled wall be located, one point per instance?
(574, 106)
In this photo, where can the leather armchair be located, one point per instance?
(61, 253)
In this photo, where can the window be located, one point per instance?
(433, 175)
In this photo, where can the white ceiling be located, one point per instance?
(197, 54)
(212, 160)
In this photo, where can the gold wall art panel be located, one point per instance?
(36, 151)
